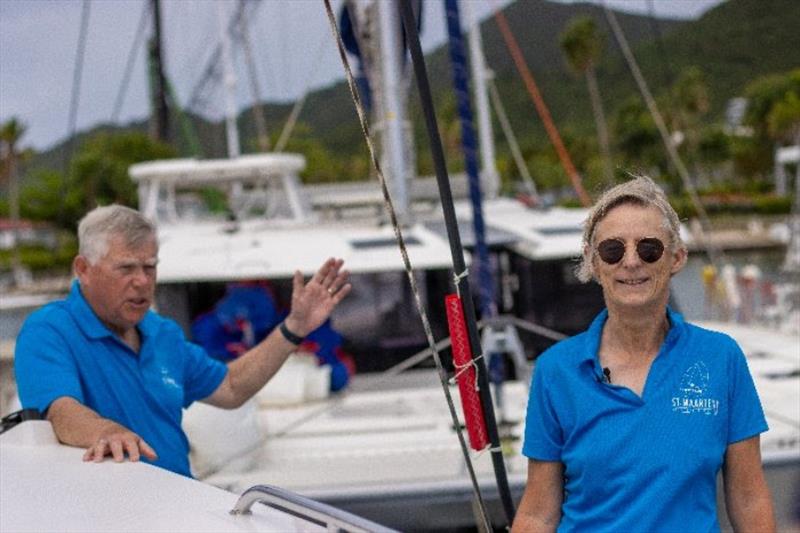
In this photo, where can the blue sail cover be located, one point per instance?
(347, 29)
(247, 314)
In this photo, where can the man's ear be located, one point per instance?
(79, 266)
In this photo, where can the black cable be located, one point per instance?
(451, 223)
(73, 106)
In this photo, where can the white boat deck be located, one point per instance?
(47, 487)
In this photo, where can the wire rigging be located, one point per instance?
(541, 107)
(262, 136)
(297, 108)
(73, 106)
(714, 254)
(511, 138)
(129, 64)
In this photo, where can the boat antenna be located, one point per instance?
(406, 261)
(457, 252)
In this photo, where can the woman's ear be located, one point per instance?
(680, 256)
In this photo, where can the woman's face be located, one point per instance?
(632, 283)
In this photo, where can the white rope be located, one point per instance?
(457, 281)
(460, 369)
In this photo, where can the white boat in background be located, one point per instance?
(272, 232)
(54, 490)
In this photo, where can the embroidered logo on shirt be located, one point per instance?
(692, 397)
(167, 379)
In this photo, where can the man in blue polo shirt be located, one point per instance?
(629, 423)
(113, 377)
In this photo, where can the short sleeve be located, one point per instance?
(202, 373)
(543, 436)
(746, 416)
(43, 367)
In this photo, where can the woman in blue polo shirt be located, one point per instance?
(629, 422)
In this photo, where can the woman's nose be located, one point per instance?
(631, 257)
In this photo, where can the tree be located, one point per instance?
(772, 115)
(10, 134)
(637, 136)
(99, 172)
(783, 120)
(690, 102)
(582, 46)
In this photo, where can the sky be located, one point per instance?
(291, 42)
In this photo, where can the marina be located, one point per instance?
(387, 451)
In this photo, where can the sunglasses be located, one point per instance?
(612, 251)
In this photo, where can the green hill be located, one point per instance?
(732, 44)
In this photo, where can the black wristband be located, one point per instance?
(289, 336)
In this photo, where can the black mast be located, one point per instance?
(412, 39)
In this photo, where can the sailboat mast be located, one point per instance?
(490, 182)
(229, 82)
(160, 127)
(392, 107)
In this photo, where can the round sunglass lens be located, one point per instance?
(611, 251)
(650, 250)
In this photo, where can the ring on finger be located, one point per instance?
(331, 291)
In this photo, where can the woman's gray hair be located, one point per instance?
(100, 224)
(640, 191)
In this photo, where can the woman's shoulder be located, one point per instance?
(708, 335)
(564, 352)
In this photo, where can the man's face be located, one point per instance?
(120, 287)
(633, 283)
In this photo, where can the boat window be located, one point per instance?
(382, 243)
(562, 230)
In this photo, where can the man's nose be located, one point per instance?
(140, 276)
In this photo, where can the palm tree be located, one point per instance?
(689, 101)
(582, 46)
(10, 134)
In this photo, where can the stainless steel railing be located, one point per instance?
(335, 520)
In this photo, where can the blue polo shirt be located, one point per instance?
(645, 463)
(64, 350)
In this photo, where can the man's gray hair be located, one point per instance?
(639, 191)
(101, 223)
